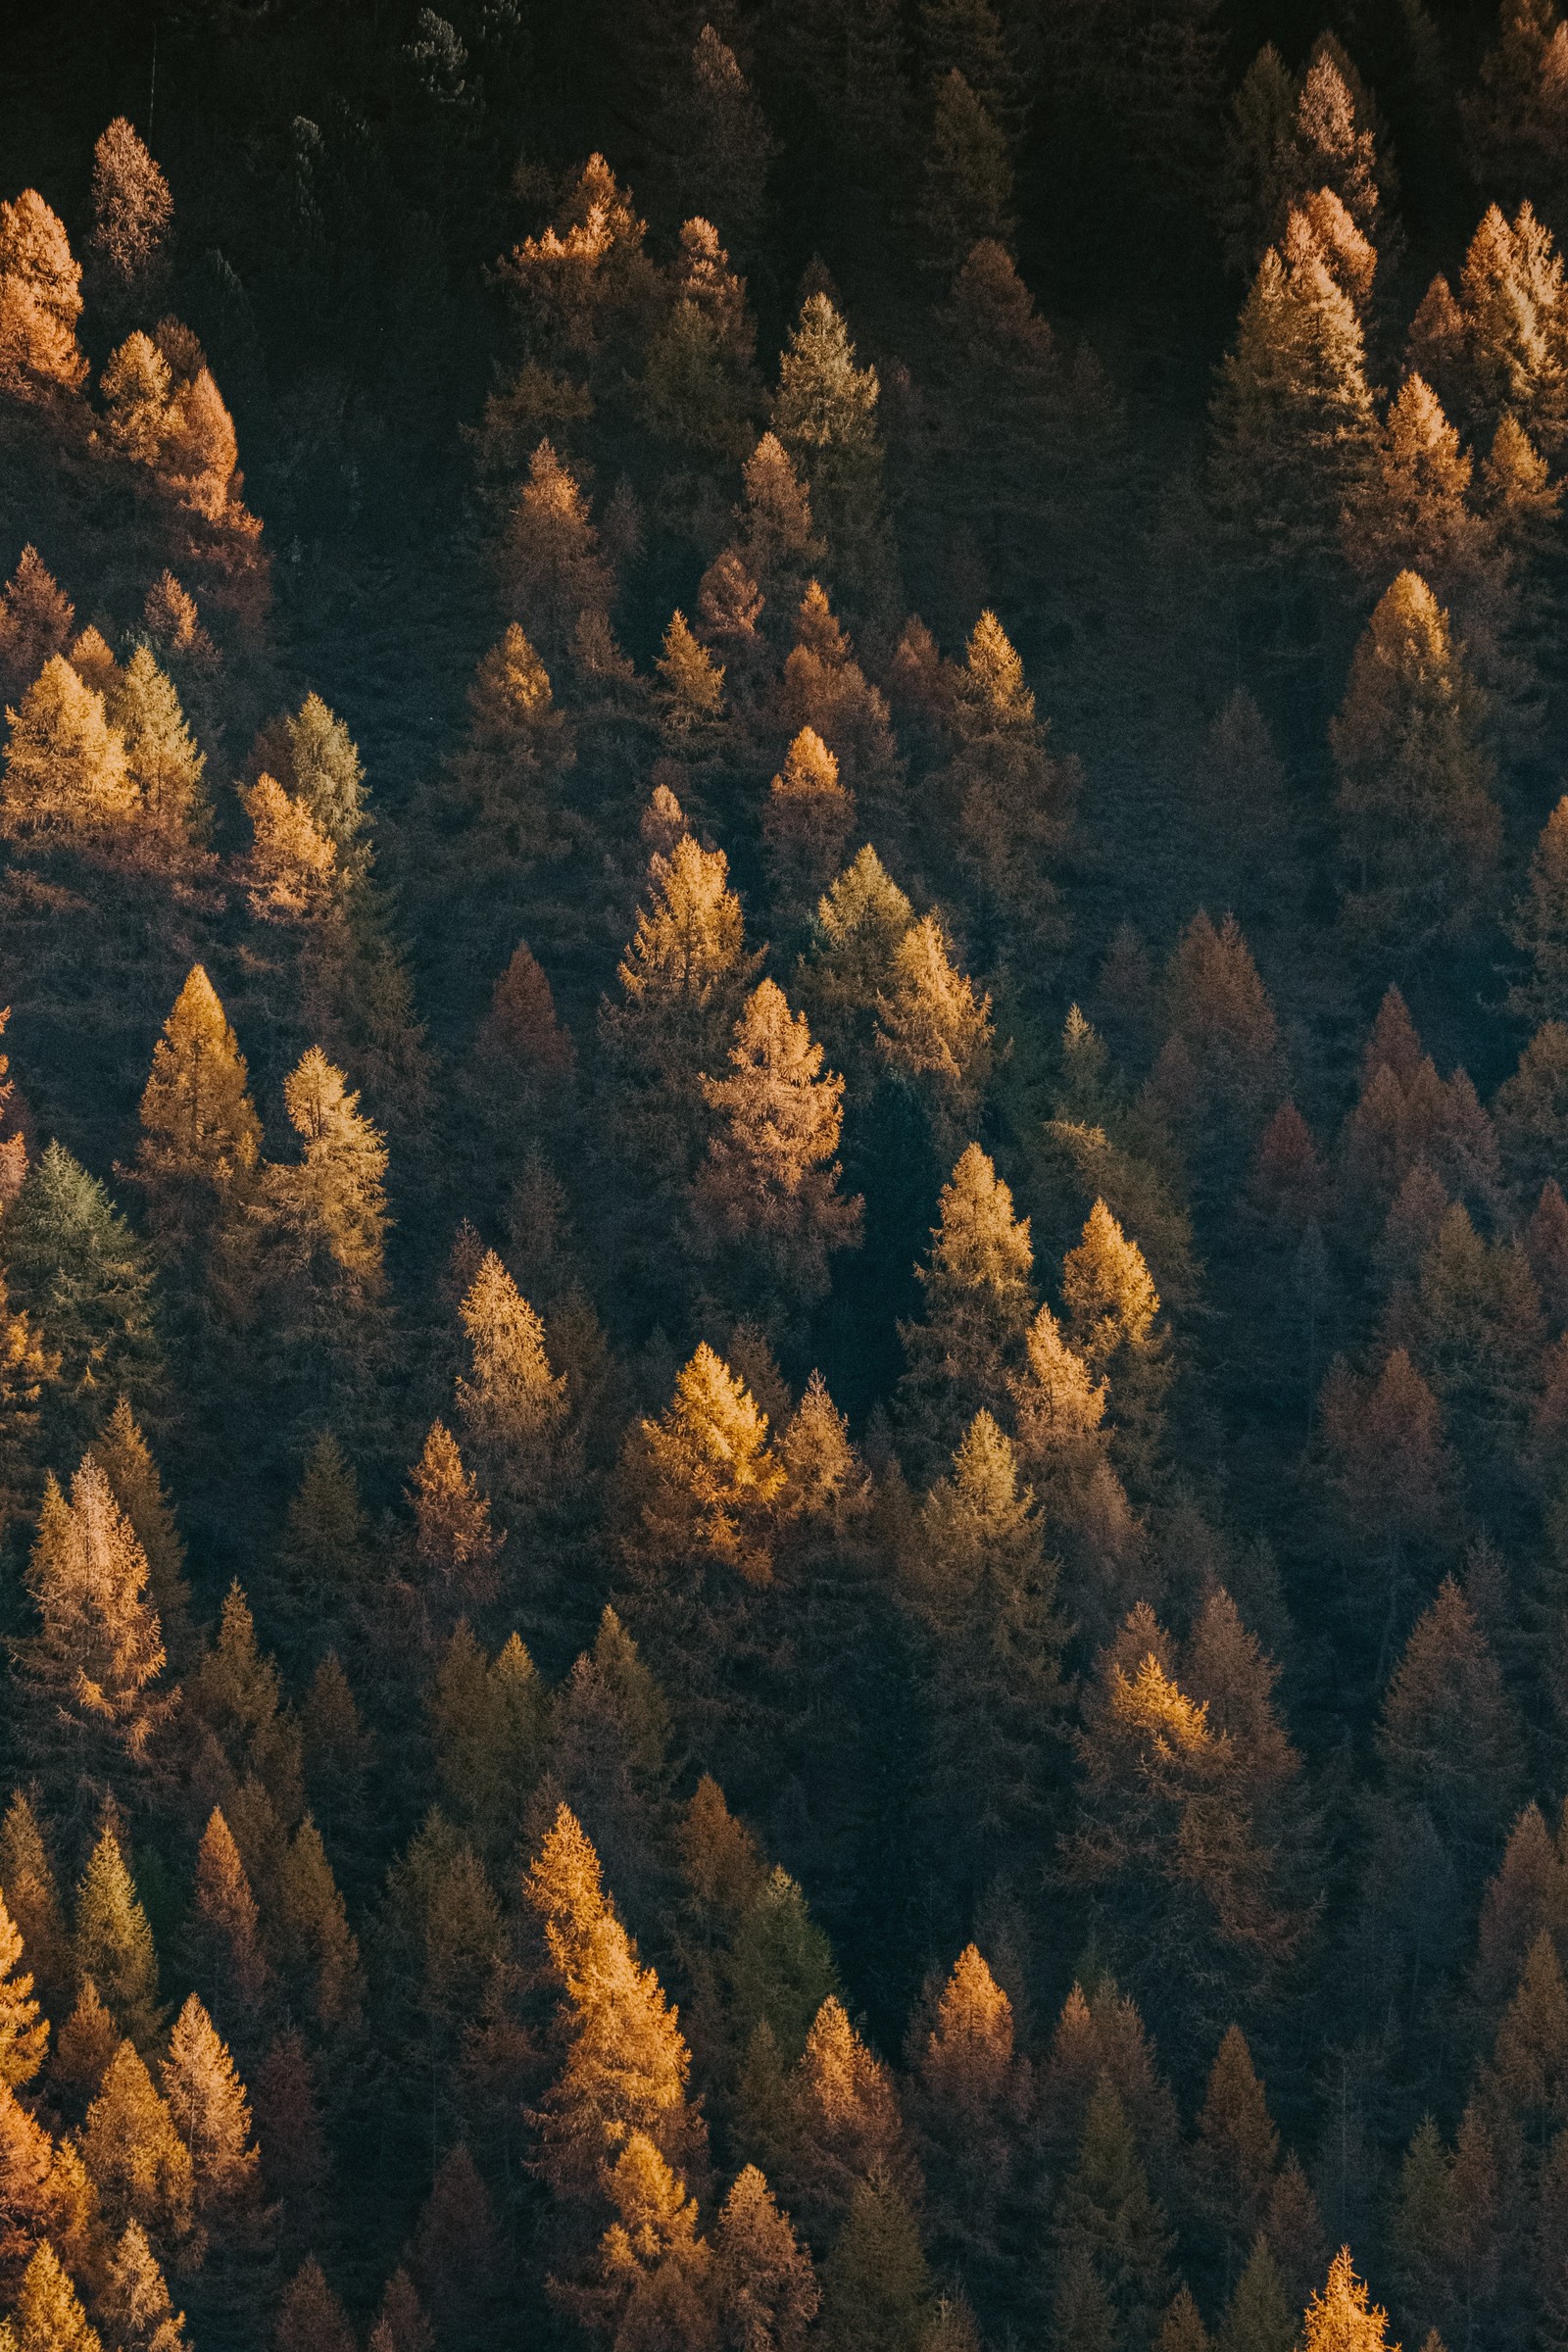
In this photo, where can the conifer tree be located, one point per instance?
(824, 415)
(211, 2112)
(31, 1895)
(66, 772)
(983, 1589)
(456, 2249)
(682, 980)
(521, 1028)
(40, 303)
(1238, 2150)
(877, 2288)
(455, 1543)
(1513, 324)
(163, 764)
(48, 2316)
(317, 762)
(1182, 2329)
(517, 750)
(690, 694)
(1294, 428)
(1108, 2218)
(121, 1453)
(1540, 926)
(35, 621)
(312, 2317)
(1014, 801)
(648, 2277)
(1342, 2316)
(850, 960)
(700, 387)
(1391, 1468)
(1259, 2316)
(1220, 1068)
(551, 562)
(1419, 822)
(724, 146)
(23, 2034)
(966, 191)
(402, 2324)
(824, 687)
(226, 1920)
(288, 871)
(1414, 511)
(132, 211)
(135, 2160)
(1446, 1688)
(842, 2131)
(200, 1135)
(135, 2303)
(83, 1279)
(325, 1214)
(113, 1944)
(769, 1189)
(764, 2290)
(99, 1647)
(702, 1480)
(934, 1031)
(1167, 1745)
(805, 822)
(778, 1969)
(971, 2104)
(29, 2200)
(488, 1718)
(320, 1952)
(1113, 1324)
(780, 544)
(511, 1405)
(625, 2063)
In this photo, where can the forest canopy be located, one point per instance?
(783, 1148)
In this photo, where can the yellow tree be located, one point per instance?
(1114, 1325)
(455, 1543)
(769, 1190)
(136, 2159)
(99, 1650)
(35, 620)
(162, 761)
(288, 870)
(1293, 427)
(325, 1216)
(935, 1032)
(682, 980)
(624, 2064)
(701, 1480)
(551, 563)
(511, 1405)
(23, 2033)
(211, 2112)
(48, 2316)
(132, 212)
(65, 771)
(1013, 802)
(200, 1135)
(1342, 2316)
(978, 1304)
(40, 302)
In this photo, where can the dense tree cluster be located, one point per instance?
(784, 1409)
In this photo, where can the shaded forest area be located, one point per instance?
(784, 1327)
